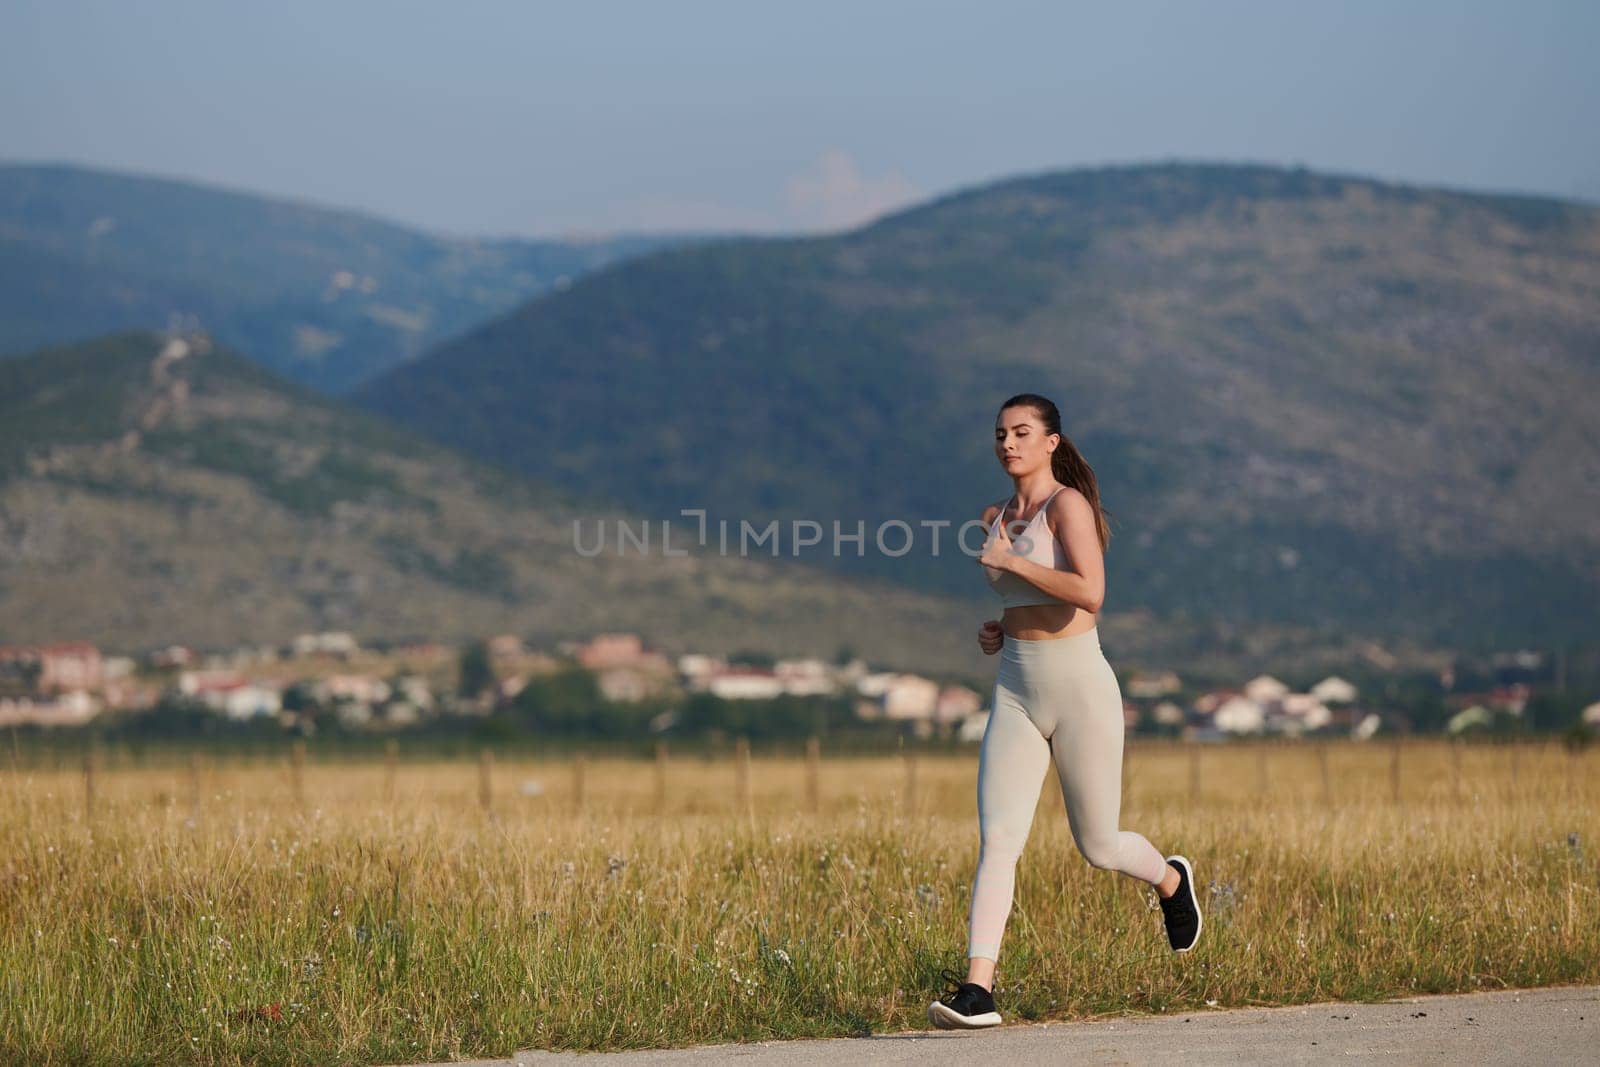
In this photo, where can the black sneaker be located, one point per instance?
(1181, 911)
(964, 1006)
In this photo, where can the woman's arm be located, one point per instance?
(1084, 584)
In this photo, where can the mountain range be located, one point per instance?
(1310, 399)
(1325, 412)
(325, 297)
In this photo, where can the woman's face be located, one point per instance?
(1020, 442)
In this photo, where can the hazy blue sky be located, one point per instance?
(529, 118)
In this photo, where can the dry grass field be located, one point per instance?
(236, 911)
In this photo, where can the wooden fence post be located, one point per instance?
(742, 773)
(1394, 771)
(486, 779)
(1455, 770)
(814, 773)
(195, 792)
(391, 769)
(90, 759)
(297, 771)
(661, 775)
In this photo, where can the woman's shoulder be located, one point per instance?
(1073, 497)
(1065, 500)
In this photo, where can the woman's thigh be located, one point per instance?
(1011, 769)
(1086, 743)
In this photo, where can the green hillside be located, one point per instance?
(325, 297)
(1312, 400)
(159, 488)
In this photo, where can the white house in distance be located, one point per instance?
(806, 677)
(1144, 685)
(956, 703)
(1264, 688)
(973, 727)
(1266, 705)
(695, 667)
(913, 698)
(413, 699)
(358, 688)
(230, 693)
(624, 669)
(1296, 713)
(1239, 714)
(897, 696)
(1206, 704)
(328, 642)
(1334, 690)
(1168, 713)
(61, 665)
(700, 672)
(71, 708)
(172, 656)
(744, 683)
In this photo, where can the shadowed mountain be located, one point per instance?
(1311, 399)
(325, 297)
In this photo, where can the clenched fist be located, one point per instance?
(991, 637)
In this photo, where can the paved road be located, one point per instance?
(1516, 1027)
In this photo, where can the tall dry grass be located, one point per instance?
(200, 913)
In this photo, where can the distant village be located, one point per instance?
(68, 684)
(398, 686)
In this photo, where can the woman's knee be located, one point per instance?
(1001, 844)
(1101, 850)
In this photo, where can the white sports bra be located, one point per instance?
(1046, 551)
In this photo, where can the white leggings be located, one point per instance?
(1057, 698)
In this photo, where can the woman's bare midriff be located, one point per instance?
(1041, 622)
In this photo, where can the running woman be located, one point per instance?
(1056, 699)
